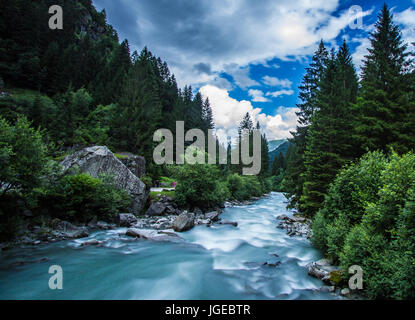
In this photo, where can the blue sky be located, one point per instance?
(248, 56)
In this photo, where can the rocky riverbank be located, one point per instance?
(323, 269)
(162, 218)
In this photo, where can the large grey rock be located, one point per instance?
(99, 160)
(136, 164)
(213, 216)
(126, 219)
(184, 222)
(156, 209)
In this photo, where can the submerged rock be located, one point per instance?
(233, 223)
(99, 160)
(91, 242)
(150, 234)
(184, 222)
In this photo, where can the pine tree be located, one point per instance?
(265, 166)
(383, 108)
(309, 88)
(207, 116)
(329, 146)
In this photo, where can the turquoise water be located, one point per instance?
(221, 262)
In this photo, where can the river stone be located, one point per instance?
(150, 234)
(213, 215)
(184, 222)
(345, 292)
(126, 219)
(91, 242)
(321, 269)
(233, 223)
(99, 160)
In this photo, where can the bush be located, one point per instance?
(22, 156)
(198, 186)
(81, 197)
(368, 220)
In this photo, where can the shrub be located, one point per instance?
(198, 186)
(80, 197)
(369, 220)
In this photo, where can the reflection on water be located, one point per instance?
(221, 262)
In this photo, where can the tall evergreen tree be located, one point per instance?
(384, 107)
(309, 88)
(329, 145)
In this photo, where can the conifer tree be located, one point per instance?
(329, 145)
(309, 88)
(383, 108)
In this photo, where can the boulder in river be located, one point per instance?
(184, 222)
(126, 219)
(321, 270)
(91, 242)
(233, 223)
(154, 235)
(213, 215)
(99, 160)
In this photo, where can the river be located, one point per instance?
(220, 262)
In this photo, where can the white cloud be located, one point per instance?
(275, 82)
(224, 32)
(240, 76)
(258, 96)
(276, 94)
(228, 113)
(407, 21)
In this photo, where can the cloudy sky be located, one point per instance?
(245, 55)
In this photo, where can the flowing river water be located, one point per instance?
(220, 262)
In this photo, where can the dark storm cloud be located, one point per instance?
(203, 68)
(221, 33)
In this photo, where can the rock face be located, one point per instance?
(184, 222)
(100, 160)
(136, 164)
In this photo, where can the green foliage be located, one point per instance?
(198, 186)
(80, 197)
(22, 156)
(368, 220)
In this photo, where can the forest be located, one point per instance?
(351, 164)
(78, 87)
(349, 167)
